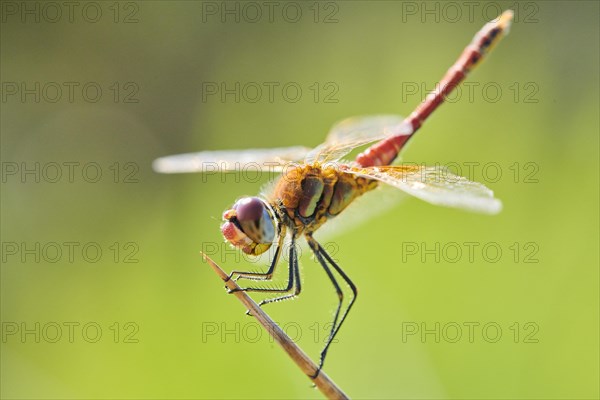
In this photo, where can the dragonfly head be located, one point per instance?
(249, 225)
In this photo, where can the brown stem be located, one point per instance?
(322, 381)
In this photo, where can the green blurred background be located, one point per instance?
(168, 330)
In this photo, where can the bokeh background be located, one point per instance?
(146, 318)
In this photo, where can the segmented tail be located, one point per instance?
(385, 151)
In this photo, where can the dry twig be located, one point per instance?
(322, 381)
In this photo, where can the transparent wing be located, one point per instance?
(231, 160)
(435, 185)
(354, 132)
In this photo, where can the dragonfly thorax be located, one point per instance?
(310, 194)
(249, 225)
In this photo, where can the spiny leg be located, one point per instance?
(263, 276)
(352, 300)
(319, 252)
(290, 282)
(298, 285)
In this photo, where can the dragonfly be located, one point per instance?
(316, 185)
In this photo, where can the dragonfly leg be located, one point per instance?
(263, 276)
(298, 285)
(290, 283)
(323, 257)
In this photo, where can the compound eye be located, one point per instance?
(255, 220)
(249, 225)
